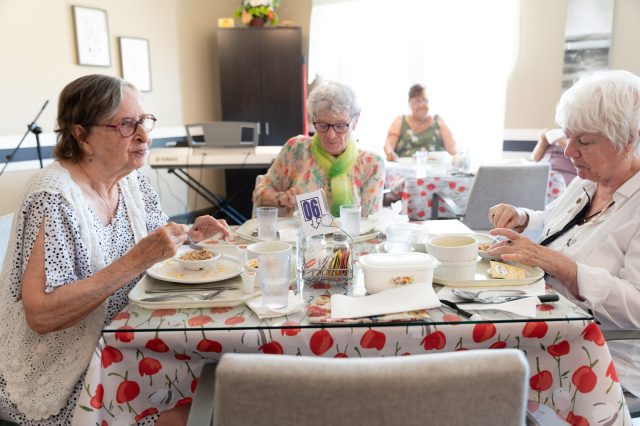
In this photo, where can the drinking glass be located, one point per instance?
(267, 219)
(273, 272)
(421, 163)
(350, 219)
(398, 238)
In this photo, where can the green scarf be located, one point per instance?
(337, 169)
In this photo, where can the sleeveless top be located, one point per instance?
(409, 141)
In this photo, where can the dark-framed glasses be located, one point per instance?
(419, 101)
(128, 126)
(337, 127)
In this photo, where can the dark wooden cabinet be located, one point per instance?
(261, 80)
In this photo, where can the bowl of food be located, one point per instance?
(195, 260)
(453, 248)
(484, 242)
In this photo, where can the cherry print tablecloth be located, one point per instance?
(148, 361)
(417, 193)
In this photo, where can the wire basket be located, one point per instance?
(318, 264)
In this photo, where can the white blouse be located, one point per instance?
(607, 252)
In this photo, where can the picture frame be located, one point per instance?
(136, 62)
(92, 36)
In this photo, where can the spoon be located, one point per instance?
(193, 245)
(472, 295)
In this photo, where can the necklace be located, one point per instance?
(108, 206)
(599, 212)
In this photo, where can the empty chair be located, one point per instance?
(480, 387)
(632, 401)
(521, 185)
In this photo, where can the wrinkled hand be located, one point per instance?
(288, 199)
(513, 246)
(206, 226)
(507, 216)
(161, 244)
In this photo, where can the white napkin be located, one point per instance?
(524, 307)
(402, 299)
(449, 226)
(294, 304)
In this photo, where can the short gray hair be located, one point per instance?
(603, 102)
(333, 97)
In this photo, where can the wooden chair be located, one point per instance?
(479, 387)
(521, 185)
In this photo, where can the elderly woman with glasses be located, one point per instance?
(87, 227)
(330, 160)
(419, 131)
(590, 235)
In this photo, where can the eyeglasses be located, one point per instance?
(338, 127)
(417, 101)
(128, 126)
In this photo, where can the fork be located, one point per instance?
(472, 295)
(167, 297)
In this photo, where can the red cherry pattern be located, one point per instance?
(483, 332)
(96, 399)
(593, 334)
(208, 345)
(535, 329)
(559, 349)
(611, 372)
(274, 348)
(127, 390)
(145, 413)
(584, 379)
(157, 345)
(373, 339)
(149, 366)
(320, 342)
(541, 381)
(110, 355)
(435, 340)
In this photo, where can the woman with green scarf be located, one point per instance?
(330, 160)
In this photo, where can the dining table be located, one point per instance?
(148, 360)
(415, 187)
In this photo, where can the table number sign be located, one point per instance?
(314, 217)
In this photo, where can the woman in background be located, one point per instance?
(330, 160)
(419, 131)
(552, 152)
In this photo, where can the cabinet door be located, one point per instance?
(240, 81)
(282, 109)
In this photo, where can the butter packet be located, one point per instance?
(503, 270)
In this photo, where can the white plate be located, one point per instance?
(231, 297)
(170, 270)
(249, 229)
(482, 277)
(382, 248)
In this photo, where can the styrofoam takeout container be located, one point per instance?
(383, 271)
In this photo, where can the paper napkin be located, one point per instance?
(294, 305)
(402, 299)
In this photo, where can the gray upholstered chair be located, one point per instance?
(479, 387)
(521, 185)
(633, 402)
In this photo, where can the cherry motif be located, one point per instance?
(184, 401)
(159, 313)
(121, 316)
(451, 318)
(199, 320)
(537, 329)
(110, 355)
(543, 307)
(96, 400)
(559, 349)
(182, 357)
(145, 413)
(274, 348)
(421, 213)
(592, 333)
(500, 344)
(483, 331)
(373, 339)
(290, 331)
(220, 310)
(584, 379)
(127, 391)
(234, 320)
(149, 366)
(541, 381)
(320, 342)
(157, 345)
(123, 334)
(194, 384)
(611, 372)
(208, 345)
(435, 340)
(576, 420)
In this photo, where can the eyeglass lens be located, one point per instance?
(338, 127)
(128, 126)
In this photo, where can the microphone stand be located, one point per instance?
(36, 130)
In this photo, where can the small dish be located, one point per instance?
(453, 248)
(484, 242)
(195, 260)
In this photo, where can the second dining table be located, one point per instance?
(149, 360)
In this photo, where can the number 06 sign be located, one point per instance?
(314, 218)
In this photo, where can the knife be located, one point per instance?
(192, 296)
(455, 306)
(179, 289)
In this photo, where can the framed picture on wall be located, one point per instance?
(135, 62)
(92, 36)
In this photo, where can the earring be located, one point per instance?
(626, 155)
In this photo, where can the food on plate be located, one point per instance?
(484, 247)
(503, 270)
(203, 254)
(253, 263)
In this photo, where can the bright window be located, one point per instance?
(462, 51)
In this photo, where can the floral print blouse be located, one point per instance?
(295, 166)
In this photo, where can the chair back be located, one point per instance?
(521, 185)
(480, 387)
(5, 232)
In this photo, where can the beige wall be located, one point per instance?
(37, 54)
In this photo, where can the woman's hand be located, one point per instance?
(206, 226)
(508, 216)
(392, 156)
(288, 198)
(160, 244)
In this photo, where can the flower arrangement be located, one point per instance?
(258, 12)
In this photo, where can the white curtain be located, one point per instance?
(462, 51)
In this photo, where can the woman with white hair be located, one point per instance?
(590, 241)
(330, 160)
